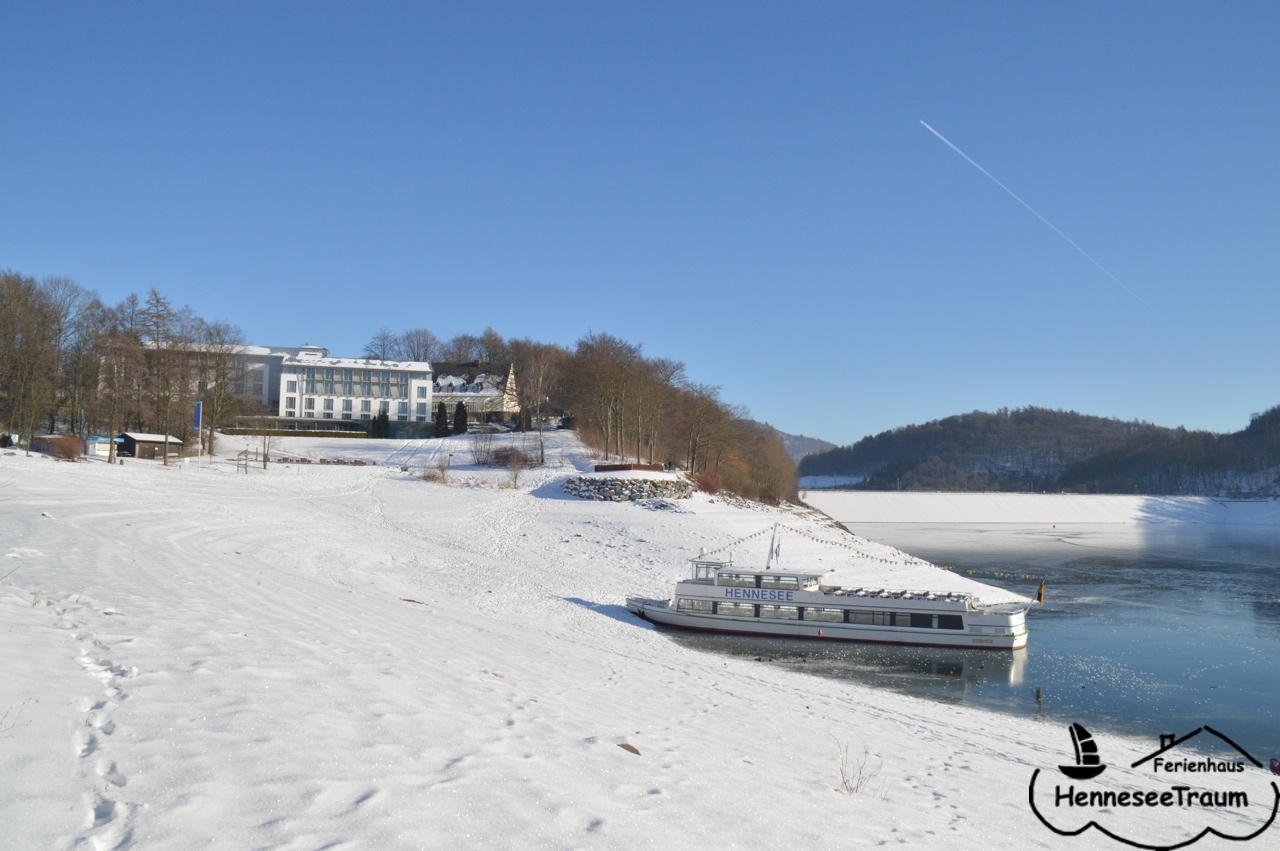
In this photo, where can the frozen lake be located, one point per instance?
(1146, 629)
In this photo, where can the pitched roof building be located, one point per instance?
(488, 390)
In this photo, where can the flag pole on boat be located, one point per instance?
(775, 550)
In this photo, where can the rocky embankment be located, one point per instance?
(622, 490)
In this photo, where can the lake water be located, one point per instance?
(1145, 629)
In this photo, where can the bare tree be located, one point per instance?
(418, 344)
(492, 347)
(170, 337)
(117, 349)
(27, 353)
(538, 367)
(222, 373)
(461, 349)
(66, 304)
(382, 345)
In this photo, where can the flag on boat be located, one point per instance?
(1040, 593)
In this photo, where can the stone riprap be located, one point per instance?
(623, 490)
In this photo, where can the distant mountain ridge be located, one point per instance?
(1038, 449)
(799, 445)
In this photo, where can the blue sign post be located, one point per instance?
(199, 433)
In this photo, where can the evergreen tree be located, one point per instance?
(380, 426)
(442, 422)
(460, 419)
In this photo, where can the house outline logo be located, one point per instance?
(1177, 799)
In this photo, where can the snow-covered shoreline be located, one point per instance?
(999, 508)
(353, 657)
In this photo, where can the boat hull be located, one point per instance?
(659, 612)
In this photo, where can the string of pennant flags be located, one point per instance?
(904, 560)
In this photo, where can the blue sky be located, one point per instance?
(745, 187)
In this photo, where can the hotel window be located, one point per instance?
(291, 387)
(402, 408)
(422, 392)
(328, 404)
(289, 403)
(310, 386)
(309, 403)
(384, 407)
(328, 375)
(311, 372)
(366, 406)
(328, 388)
(421, 409)
(346, 405)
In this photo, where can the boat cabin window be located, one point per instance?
(739, 580)
(789, 613)
(814, 613)
(686, 604)
(786, 583)
(704, 573)
(742, 610)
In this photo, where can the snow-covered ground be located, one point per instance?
(325, 656)
(991, 508)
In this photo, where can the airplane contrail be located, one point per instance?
(1056, 229)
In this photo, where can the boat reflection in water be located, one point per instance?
(940, 673)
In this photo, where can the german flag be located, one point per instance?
(1040, 593)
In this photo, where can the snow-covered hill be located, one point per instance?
(324, 656)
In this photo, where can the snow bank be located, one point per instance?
(315, 656)
(991, 508)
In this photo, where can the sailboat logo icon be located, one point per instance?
(1087, 763)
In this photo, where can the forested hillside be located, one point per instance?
(1036, 449)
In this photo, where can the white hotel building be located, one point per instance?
(316, 386)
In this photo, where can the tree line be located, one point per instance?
(1038, 449)
(69, 362)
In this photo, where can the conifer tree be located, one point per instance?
(460, 419)
(442, 422)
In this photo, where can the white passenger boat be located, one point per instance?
(721, 598)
